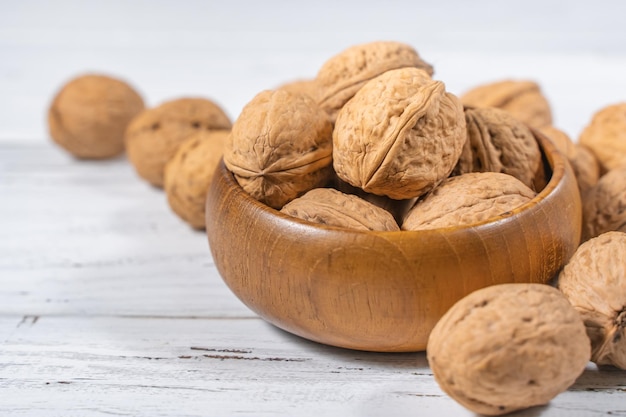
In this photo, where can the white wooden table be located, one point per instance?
(111, 305)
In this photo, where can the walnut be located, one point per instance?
(594, 283)
(468, 199)
(190, 172)
(523, 99)
(280, 147)
(344, 74)
(399, 136)
(604, 206)
(89, 114)
(306, 86)
(397, 208)
(584, 164)
(331, 207)
(498, 142)
(605, 136)
(508, 347)
(154, 135)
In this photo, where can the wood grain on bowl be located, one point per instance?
(383, 291)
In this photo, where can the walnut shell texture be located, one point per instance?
(508, 347)
(344, 74)
(604, 206)
(155, 134)
(399, 136)
(280, 147)
(468, 199)
(522, 98)
(584, 163)
(605, 136)
(331, 207)
(89, 115)
(498, 142)
(304, 85)
(190, 172)
(594, 282)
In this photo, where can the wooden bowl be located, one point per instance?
(383, 291)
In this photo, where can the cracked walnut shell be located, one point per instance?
(331, 207)
(155, 134)
(280, 147)
(344, 74)
(594, 282)
(89, 115)
(605, 136)
(190, 172)
(523, 99)
(604, 206)
(399, 136)
(468, 199)
(498, 142)
(508, 347)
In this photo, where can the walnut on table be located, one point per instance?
(345, 73)
(522, 98)
(468, 199)
(89, 115)
(594, 282)
(400, 135)
(331, 207)
(280, 147)
(155, 134)
(508, 347)
(605, 136)
(498, 142)
(604, 206)
(189, 173)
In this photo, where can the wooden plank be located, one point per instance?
(156, 366)
(87, 237)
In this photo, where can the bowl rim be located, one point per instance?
(550, 156)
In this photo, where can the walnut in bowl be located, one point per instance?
(383, 290)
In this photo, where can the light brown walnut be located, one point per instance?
(334, 208)
(399, 136)
(306, 86)
(594, 283)
(604, 206)
(605, 136)
(154, 135)
(523, 99)
(508, 347)
(583, 162)
(468, 199)
(498, 142)
(280, 147)
(89, 115)
(345, 73)
(190, 172)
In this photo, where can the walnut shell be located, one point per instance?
(594, 282)
(498, 142)
(89, 115)
(345, 73)
(331, 207)
(523, 99)
(155, 134)
(280, 147)
(605, 136)
(508, 347)
(468, 199)
(584, 164)
(190, 172)
(306, 86)
(399, 136)
(604, 206)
